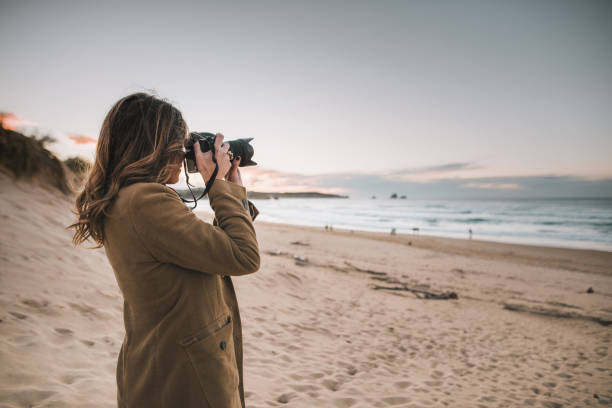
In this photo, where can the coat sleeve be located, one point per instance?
(173, 234)
(252, 210)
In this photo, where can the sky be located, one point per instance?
(424, 98)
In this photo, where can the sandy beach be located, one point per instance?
(332, 319)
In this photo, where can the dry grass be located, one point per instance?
(27, 158)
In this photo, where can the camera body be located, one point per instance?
(238, 147)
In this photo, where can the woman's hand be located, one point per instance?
(234, 174)
(204, 162)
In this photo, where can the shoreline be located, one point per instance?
(551, 225)
(427, 234)
(570, 259)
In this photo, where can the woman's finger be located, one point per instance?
(199, 156)
(218, 140)
(234, 173)
(225, 147)
(223, 160)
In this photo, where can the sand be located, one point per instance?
(523, 331)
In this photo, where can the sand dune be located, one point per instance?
(316, 333)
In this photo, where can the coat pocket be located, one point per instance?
(211, 351)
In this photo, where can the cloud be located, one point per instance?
(11, 121)
(494, 186)
(268, 180)
(70, 145)
(82, 139)
(366, 185)
(429, 173)
(446, 180)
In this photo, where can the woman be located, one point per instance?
(183, 343)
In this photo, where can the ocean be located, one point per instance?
(572, 223)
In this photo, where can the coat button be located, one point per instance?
(222, 345)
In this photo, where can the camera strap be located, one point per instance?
(209, 183)
(212, 179)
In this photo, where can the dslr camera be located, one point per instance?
(238, 147)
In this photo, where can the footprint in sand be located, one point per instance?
(63, 331)
(41, 306)
(316, 376)
(18, 315)
(286, 397)
(35, 303)
(69, 378)
(402, 384)
(437, 374)
(82, 308)
(351, 371)
(108, 340)
(344, 402)
(304, 387)
(331, 385)
(395, 400)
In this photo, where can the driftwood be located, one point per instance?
(300, 260)
(420, 293)
(277, 252)
(544, 311)
(423, 294)
(375, 275)
(368, 271)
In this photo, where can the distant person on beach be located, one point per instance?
(183, 340)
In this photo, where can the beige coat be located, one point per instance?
(183, 340)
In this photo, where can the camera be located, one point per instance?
(238, 147)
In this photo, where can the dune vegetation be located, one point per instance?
(27, 157)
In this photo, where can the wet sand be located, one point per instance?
(332, 319)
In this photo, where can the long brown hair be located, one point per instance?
(141, 140)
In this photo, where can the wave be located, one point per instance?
(474, 220)
(575, 224)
